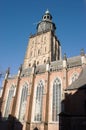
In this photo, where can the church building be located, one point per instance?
(49, 91)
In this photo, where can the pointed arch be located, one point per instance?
(39, 101)
(9, 100)
(23, 101)
(74, 77)
(35, 128)
(56, 99)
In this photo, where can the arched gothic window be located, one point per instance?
(56, 101)
(74, 77)
(23, 102)
(39, 101)
(9, 99)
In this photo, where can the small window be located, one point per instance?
(44, 61)
(37, 62)
(44, 17)
(39, 52)
(47, 17)
(45, 49)
(29, 65)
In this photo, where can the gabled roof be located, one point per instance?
(80, 82)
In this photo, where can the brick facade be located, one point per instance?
(42, 62)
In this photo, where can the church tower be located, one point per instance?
(43, 45)
(43, 94)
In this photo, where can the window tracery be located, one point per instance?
(74, 77)
(11, 93)
(23, 102)
(56, 101)
(39, 101)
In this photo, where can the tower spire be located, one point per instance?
(46, 23)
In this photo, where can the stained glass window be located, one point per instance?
(56, 101)
(9, 99)
(23, 102)
(39, 101)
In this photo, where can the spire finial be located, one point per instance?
(48, 60)
(20, 68)
(64, 57)
(47, 11)
(82, 52)
(8, 70)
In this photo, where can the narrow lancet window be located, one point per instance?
(56, 101)
(9, 101)
(23, 102)
(39, 101)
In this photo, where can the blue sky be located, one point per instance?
(18, 20)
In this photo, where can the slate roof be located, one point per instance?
(54, 66)
(40, 69)
(26, 72)
(74, 61)
(80, 82)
